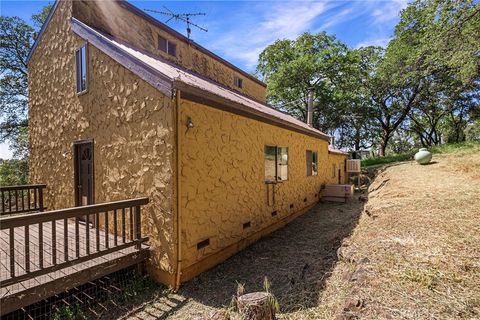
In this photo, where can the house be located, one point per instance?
(123, 106)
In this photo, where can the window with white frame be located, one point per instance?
(312, 163)
(81, 69)
(167, 46)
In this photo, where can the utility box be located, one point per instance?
(354, 166)
(337, 192)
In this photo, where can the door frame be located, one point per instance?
(76, 177)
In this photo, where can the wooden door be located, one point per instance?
(84, 173)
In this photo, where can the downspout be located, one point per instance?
(179, 216)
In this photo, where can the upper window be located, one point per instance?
(238, 82)
(167, 46)
(81, 68)
(312, 163)
(276, 163)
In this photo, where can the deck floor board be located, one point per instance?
(58, 275)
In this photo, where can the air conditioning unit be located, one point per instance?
(354, 166)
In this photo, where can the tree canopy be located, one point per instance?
(16, 39)
(422, 89)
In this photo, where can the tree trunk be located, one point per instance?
(256, 306)
(384, 142)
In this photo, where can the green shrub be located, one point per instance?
(13, 172)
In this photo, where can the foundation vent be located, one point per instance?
(274, 213)
(305, 200)
(247, 225)
(291, 206)
(203, 244)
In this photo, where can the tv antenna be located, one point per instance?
(185, 17)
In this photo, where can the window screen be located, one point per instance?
(312, 163)
(167, 46)
(276, 163)
(81, 68)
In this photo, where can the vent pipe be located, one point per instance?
(310, 108)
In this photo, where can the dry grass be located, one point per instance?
(411, 252)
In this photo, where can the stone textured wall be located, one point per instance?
(223, 178)
(130, 121)
(113, 19)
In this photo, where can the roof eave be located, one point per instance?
(198, 95)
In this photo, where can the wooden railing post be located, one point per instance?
(17, 199)
(40, 198)
(138, 227)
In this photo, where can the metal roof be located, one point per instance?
(165, 76)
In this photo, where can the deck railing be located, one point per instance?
(44, 242)
(21, 199)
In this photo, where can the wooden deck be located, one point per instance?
(56, 251)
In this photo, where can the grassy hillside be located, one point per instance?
(468, 147)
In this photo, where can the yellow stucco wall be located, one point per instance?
(110, 17)
(338, 161)
(221, 170)
(131, 122)
(222, 178)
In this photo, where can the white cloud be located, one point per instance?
(245, 33)
(388, 11)
(382, 42)
(264, 24)
(341, 17)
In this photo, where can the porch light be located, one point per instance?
(189, 123)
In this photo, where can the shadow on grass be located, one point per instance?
(297, 260)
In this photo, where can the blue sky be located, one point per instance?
(239, 30)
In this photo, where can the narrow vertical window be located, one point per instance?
(238, 82)
(312, 163)
(276, 163)
(334, 170)
(81, 69)
(282, 163)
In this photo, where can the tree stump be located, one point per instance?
(256, 306)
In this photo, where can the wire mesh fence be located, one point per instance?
(105, 298)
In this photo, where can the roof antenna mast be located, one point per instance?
(185, 17)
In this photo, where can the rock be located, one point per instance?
(364, 260)
(354, 305)
(363, 198)
(360, 275)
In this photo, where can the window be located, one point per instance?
(81, 69)
(238, 82)
(312, 163)
(167, 46)
(276, 163)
